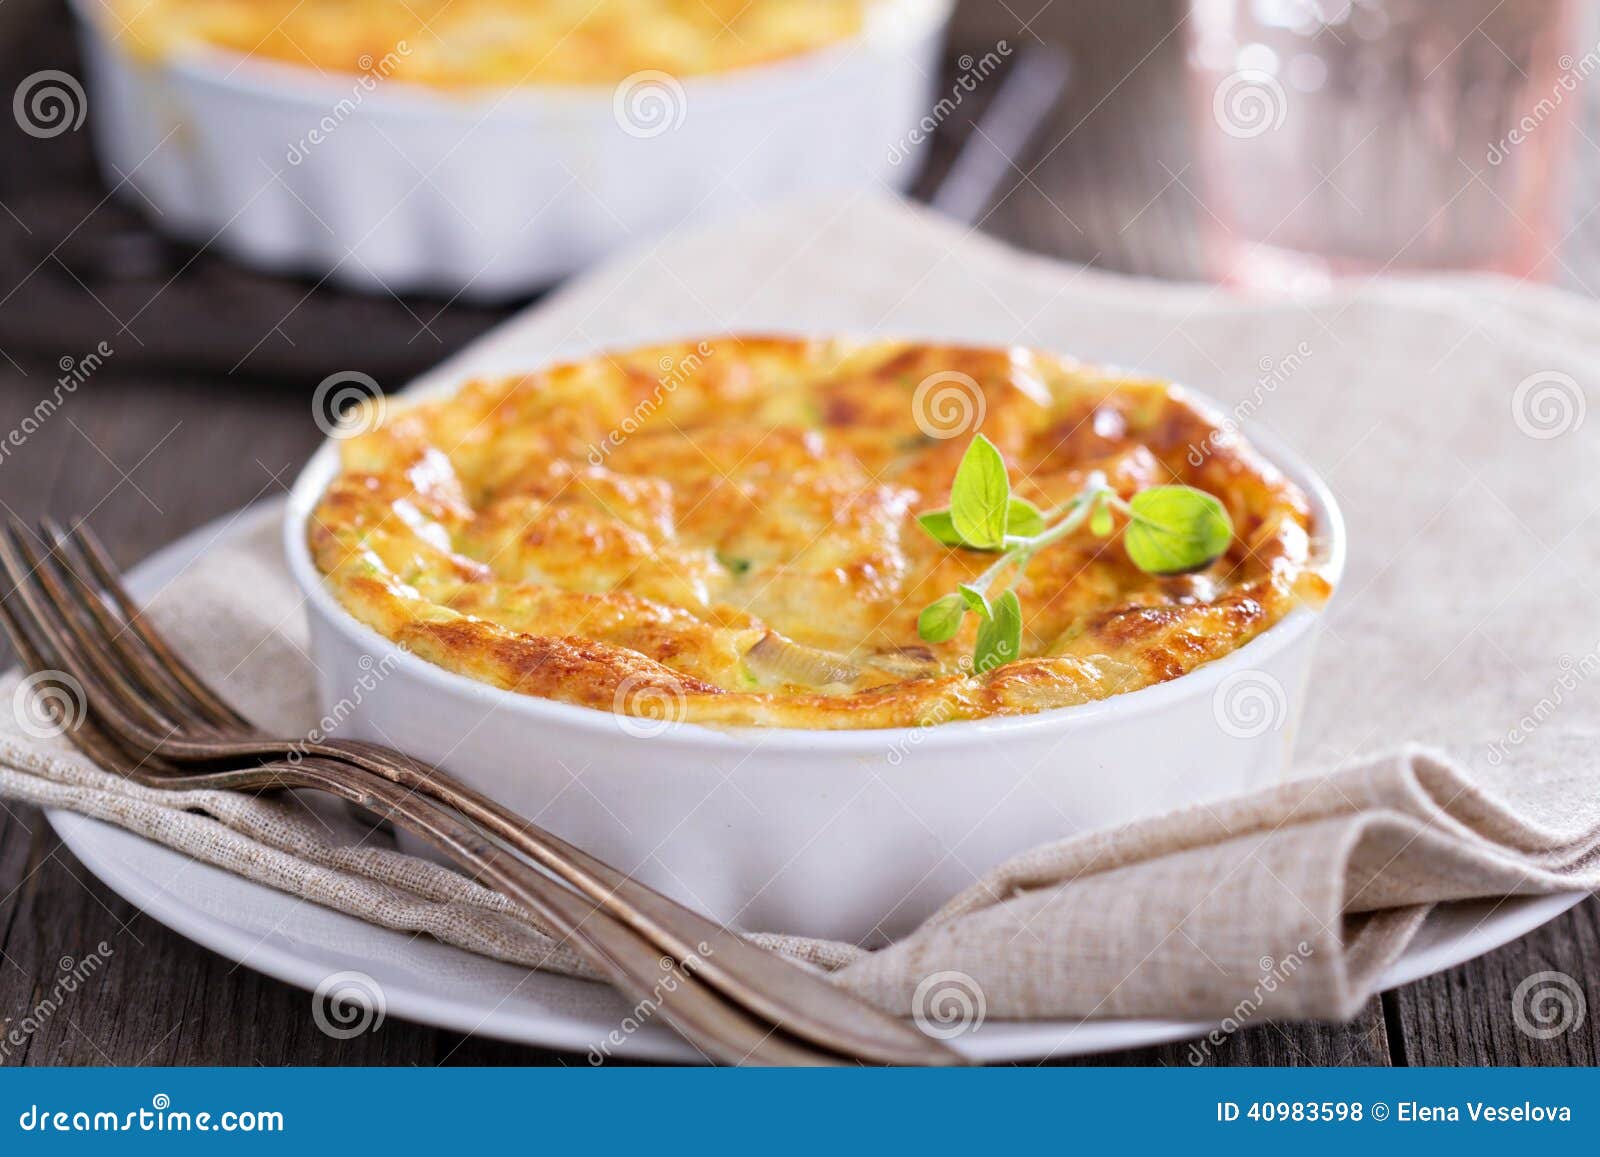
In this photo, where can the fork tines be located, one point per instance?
(67, 615)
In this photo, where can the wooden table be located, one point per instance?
(174, 434)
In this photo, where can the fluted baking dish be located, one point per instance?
(853, 835)
(385, 186)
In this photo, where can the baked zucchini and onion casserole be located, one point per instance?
(760, 528)
(495, 43)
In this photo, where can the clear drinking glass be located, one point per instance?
(1340, 137)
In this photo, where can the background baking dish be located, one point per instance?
(850, 835)
(403, 188)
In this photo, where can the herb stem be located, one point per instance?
(1020, 551)
(1171, 530)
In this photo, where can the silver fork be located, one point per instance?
(152, 718)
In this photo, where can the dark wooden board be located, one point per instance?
(79, 265)
(1469, 1015)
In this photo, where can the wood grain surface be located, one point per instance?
(206, 408)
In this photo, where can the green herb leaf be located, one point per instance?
(941, 619)
(1023, 518)
(980, 496)
(1170, 530)
(937, 523)
(1100, 520)
(1000, 635)
(1176, 530)
(975, 599)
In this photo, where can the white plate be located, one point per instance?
(422, 980)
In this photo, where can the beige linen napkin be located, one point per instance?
(1449, 750)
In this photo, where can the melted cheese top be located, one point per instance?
(725, 532)
(494, 43)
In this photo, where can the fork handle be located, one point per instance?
(705, 1018)
(805, 1004)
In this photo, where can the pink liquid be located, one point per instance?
(1340, 138)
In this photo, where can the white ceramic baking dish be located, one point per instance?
(851, 835)
(384, 186)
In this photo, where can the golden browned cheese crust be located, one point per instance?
(725, 532)
(493, 43)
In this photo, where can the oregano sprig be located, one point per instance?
(1169, 530)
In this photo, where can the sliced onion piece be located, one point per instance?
(776, 659)
(913, 662)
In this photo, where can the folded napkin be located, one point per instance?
(1448, 750)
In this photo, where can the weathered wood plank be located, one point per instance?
(1472, 1015)
(77, 267)
(1363, 1041)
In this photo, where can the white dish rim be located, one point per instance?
(1330, 539)
(294, 84)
